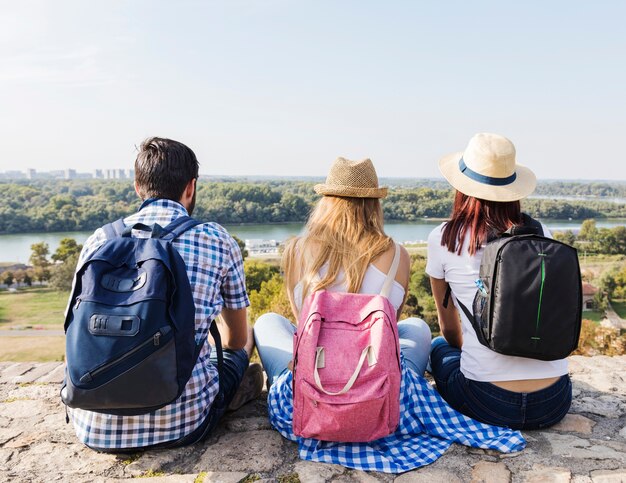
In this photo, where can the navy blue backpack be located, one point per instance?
(130, 329)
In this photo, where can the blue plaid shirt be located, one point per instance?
(427, 428)
(215, 271)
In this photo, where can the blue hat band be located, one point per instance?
(481, 178)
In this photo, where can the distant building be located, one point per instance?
(97, 174)
(31, 173)
(70, 174)
(258, 246)
(57, 174)
(130, 174)
(589, 291)
(14, 175)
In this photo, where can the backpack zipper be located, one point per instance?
(155, 340)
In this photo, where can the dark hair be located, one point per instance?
(481, 218)
(163, 168)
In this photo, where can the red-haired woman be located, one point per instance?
(509, 391)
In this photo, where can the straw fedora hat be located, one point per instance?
(487, 170)
(352, 179)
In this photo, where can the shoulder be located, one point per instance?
(437, 232)
(213, 231)
(405, 258)
(434, 237)
(546, 231)
(214, 240)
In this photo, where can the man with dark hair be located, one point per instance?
(166, 172)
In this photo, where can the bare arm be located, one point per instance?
(403, 276)
(449, 321)
(233, 327)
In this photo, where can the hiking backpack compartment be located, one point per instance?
(130, 329)
(529, 299)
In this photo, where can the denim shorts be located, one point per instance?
(491, 404)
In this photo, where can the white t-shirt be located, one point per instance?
(479, 363)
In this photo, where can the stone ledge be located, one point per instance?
(589, 445)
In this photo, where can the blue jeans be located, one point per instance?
(273, 335)
(235, 365)
(491, 404)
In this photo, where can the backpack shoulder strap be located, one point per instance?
(446, 301)
(531, 222)
(220, 353)
(179, 226)
(466, 311)
(391, 275)
(115, 229)
(529, 226)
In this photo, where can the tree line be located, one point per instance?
(593, 240)
(83, 205)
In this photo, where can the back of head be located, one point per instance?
(344, 231)
(163, 168)
(489, 183)
(474, 221)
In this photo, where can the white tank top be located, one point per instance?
(373, 282)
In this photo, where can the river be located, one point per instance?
(16, 248)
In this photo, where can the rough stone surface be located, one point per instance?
(588, 446)
(311, 472)
(609, 476)
(428, 475)
(485, 472)
(575, 423)
(546, 474)
(222, 477)
(14, 370)
(570, 446)
(169, 479)
(40, 370)
(606, 405)
(263, 452)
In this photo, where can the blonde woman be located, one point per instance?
(345, 249)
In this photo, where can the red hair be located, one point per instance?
(481, 219)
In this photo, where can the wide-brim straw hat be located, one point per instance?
(487, 169)
(352, 179)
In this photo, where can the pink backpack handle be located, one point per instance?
(319, 358)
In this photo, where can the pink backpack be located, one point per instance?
(346, 368)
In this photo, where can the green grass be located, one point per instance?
(32, 307)
(620, 307)
(593, 315)
(32, 349)
(596, 264)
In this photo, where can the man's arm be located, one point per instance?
(233, 327)
(233, 322)
(449, 321)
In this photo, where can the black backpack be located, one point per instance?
(529, 297)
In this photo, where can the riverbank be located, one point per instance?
(588, 446)
(15, 248)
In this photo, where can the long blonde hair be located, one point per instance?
(346, 233)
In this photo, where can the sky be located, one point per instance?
(283, 87)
